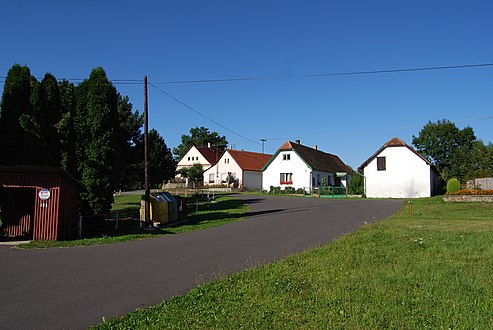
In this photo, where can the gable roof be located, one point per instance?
(210, 155)
(317, 160)
(394, 142)
(249, 161)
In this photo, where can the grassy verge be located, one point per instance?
(224, 209)
(430, 271)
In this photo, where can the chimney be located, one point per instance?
(298, 141)
(315, 147)
(208, 145)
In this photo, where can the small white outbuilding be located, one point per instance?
(396, 170)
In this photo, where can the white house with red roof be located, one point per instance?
(298, 166)
(396, 170)
(204, 156)
(244, 166)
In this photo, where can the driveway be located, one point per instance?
(73, 288)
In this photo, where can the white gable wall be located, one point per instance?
(225, 165)
(193, 156)
(406, 175)
(301, 177)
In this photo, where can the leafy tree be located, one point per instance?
(95, 126)
(443, 143)
(162, 166)
(356, 184)
(15, 103)
(200, 137)
(474, 162)
(195, 173)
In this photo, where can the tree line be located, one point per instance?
(456, 153)
(89, 129)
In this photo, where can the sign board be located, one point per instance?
(44, 194)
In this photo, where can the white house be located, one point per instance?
(396, 170)
(244, 166)
(298, 166)
(198, 155)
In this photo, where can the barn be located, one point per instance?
(38, 203)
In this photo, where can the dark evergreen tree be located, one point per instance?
(50, 115)
(162, 165)
(96, 126)
(129, 154)
(65, 126)
(15, 103)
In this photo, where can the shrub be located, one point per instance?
(274, 190)
(289, 190)
(300, 191)
(453, 185)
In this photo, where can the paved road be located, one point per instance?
(73, 288)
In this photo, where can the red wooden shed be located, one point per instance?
(38, 203)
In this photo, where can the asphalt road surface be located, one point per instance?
(73, 288)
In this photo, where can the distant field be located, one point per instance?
(430, 271)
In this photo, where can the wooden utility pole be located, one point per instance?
(147, 196)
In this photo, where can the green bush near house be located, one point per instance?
(453, 185)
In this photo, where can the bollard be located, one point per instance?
(410, 208)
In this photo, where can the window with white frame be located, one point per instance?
(286, 156)
(286, 178)
(211, 178)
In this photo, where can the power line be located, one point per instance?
(202, 115)
(330, 74)
(373, 131)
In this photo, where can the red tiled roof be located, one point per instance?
(249, 161)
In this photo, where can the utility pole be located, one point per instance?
(263, 140)
(147, 196)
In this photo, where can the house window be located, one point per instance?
(211, 178)
(286, 157)
(381, 164)
(286, 178)
(188, 158)
(226, 160)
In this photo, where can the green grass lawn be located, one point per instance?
(223, 210)
(429, 271)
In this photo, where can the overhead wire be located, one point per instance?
(201, 114)
(371, 132)
(330, 74)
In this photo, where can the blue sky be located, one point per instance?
(351, 116)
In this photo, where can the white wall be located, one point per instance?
(406, 175)
(225, 165)
(192, 157)
(301, 172)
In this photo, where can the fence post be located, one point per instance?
(79, 227)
